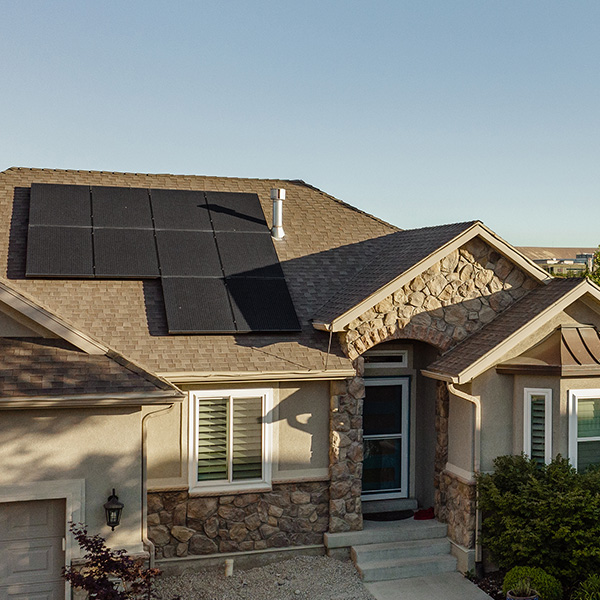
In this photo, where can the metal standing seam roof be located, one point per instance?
(476, 346)
(327, 242)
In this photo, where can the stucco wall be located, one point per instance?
(300, 435)
(102, 446)
(461, 417)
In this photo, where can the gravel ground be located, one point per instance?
(300, 578)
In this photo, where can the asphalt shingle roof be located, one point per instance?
(392, 256)
(327, 242)
(37, 367)
(476, 346)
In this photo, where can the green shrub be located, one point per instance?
(545, 585)
(588, 589)
(544, 516)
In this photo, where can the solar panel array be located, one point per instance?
(212, 251)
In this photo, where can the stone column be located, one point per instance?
(442, 402)
(346, 452)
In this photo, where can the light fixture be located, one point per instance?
(113, 509)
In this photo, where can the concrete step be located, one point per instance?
(376, 532)
(385, 570)
(398, 550)
(378, 506)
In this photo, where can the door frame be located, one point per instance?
(404, 491)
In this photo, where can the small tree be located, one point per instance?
(109, 574)
(594, 273)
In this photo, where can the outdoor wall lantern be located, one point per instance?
(113, 509)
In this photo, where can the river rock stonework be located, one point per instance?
(443, 305)
(442, 404)
(346, 452)
(293, 514)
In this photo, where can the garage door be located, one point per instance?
(31, 550)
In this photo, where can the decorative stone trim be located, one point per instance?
(459, 500)
(293, 514)
(446, 303)
(346, 452)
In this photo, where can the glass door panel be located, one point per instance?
(385, 425)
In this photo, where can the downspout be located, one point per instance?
(476, 457)
(146, 541)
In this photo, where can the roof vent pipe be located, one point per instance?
(278, 196)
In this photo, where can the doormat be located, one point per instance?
(393, 515)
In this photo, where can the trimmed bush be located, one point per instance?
(543, 516)
(548, 587)
(589, 589)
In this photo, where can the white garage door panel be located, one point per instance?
(36, 591)
(31, 554)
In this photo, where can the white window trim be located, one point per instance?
(267, 442)
(529, 393)
(401, 363)
(574, 396)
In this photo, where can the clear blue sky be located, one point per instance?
(420, 112)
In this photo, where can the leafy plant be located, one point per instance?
(544, 516)
(523, 581)
(589, 589)
(109, 574)
(594, 273)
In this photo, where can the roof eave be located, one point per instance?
(477, 229)
(487, 360)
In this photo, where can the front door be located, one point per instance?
(385, 425)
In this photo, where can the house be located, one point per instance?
(242, 393)
(565, 262)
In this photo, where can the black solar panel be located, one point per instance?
(125, 253)
(231, 211)
(219, 269)
(262, 304)
(197, 305)
(61, 205)
(188, 253)
(59, 252)
(180, 209)
(121, 207)
(248, 254)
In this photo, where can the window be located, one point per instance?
(230, 439)
(584, 428)
(537, 431)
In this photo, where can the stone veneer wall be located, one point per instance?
(443, 305)
(346, 452)
(442, 404)
(460, 501)
(291, 514)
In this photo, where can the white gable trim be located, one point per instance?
(585, 288)
(49, 321)
(477, 229)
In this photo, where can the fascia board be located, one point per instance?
(89, 400)
(189, 377)
(51, 322)
(488, 360)
(477, 229)
(439, 376)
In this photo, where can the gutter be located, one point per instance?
(186, 377)
(476, 456)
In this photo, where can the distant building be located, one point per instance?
(570, 262)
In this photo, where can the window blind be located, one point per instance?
(538, 429)
(213, 428)
(247, 438)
